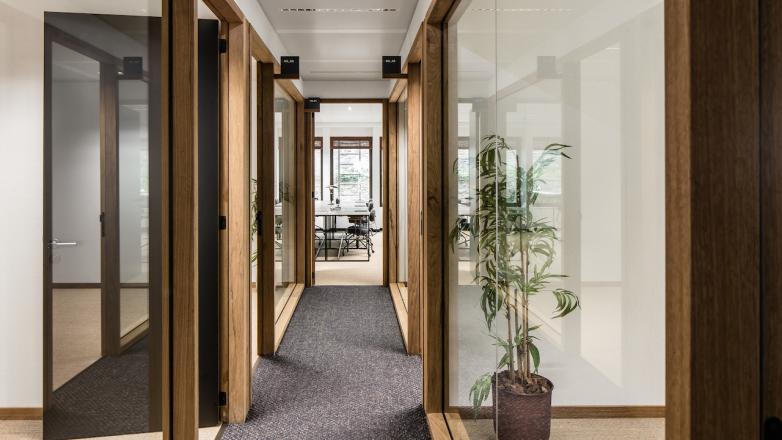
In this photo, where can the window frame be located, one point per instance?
(334, 144)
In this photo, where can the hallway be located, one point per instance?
(341, 372)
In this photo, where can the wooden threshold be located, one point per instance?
(280, 306)
(133, 336)
(281, 325)
(401, 310)
(456, 426)
(438, 427)
(577, 412)
(21, 413)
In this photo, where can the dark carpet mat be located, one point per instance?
(110, 397)
(340, 373)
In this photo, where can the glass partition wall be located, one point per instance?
(285, 197)
(556, 210)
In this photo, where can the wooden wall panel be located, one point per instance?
(384, 189)
(238, 326)
(224, 206)
(712, 220)
(434, 242)
(414, 207)
(303, 192)
(309, 213)
(184, 218)
(391, 226)
(771, 202)
(109, 163)
(266, 316)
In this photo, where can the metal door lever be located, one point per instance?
(57, 243)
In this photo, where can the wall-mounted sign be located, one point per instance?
(132, 68)
(547, 67)
(312, 105)
(289, 68)
(392, 67)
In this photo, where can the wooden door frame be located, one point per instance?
(309, 149)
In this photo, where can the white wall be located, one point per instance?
(21, 187)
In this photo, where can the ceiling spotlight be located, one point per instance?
(350, 109)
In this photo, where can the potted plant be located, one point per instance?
(515, 251)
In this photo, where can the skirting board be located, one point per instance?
(438, 427)
(581, 412)
(21, 413)
(281, 325)
(401, 311)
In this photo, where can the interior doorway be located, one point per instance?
(349, 188)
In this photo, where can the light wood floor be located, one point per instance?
(76, 327)
(352, 273)
(582, 429)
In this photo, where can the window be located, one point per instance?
(351, 168)
(317, 165)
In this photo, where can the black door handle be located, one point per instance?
(772, 429)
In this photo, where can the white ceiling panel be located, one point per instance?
(340, 40)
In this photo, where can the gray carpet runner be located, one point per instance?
(340, 373)
(110, 397)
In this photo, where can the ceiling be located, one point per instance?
(339, 40)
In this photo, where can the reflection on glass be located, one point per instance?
(401, 193)
(285, 202)
(134, 205)
(589, 76)
(253, 211)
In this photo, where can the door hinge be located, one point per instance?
(223, 45)
(259, 221)
(223, 222)
(102, 220)
(222, 399)
(421, 222)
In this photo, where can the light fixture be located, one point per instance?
(337, 10)
(350, 109)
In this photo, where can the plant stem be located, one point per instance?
(510, 338)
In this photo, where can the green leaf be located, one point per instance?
(479, 392)
(535, 354)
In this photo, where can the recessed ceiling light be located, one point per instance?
(350, 109)
(337, 10)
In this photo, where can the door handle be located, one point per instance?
(772, 429)
(57, 243)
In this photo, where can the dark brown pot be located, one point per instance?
(521, 416)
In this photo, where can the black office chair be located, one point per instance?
(357, 234)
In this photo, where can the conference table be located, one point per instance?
(330, 213)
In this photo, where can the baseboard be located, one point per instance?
(438, 428)
(21, 413)
(579, 412)
(281, 325)
(401, 312)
